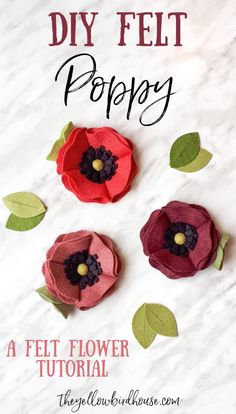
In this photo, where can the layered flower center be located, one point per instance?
(180, 237)
(83, 269)
(98, 164)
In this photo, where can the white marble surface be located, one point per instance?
(199, 365)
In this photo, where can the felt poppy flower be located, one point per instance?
(96, 164)
(180, 239)
(81, 268)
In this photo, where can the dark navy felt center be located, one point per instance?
(109, 164)
(94, 269)
(190, 233)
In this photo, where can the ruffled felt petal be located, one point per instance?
(122, 139)
(84, 189)
(48, 279)
(108, 242)
(202, 209)
(172, 266)
(199, 256)
(120, 180)
(73, 235)
(62, 285)
(152, 234)
(105, 255)
(64, 249)
(64, 237)
(114, 142)
(64, 148)
(94, 294)
(128, 186)
(50, 252)
(70, 155)
(82, 233)
(51, 286)
(215, 237)
(178, 211)
(71, 187)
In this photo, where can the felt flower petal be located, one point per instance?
(174, 269)
(64, 237)
(112, 142)
(64, 249)
(70, 154)
(51, 284)
(105, 255)
(84, 189)
(122, 139)
(73, 235)
(109, 244)
(202, 209)
(62, 150)
(62, 286)
(215, 241)
(128, 186)
(120, 180)
(182, 212)
(200, 255)
(152, 233)
(52, 288)
(91, 296)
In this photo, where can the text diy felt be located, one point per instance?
(150, 28)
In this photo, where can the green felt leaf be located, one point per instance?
(23, 224)
(184, 150)
(161, 319)
(61, 307)
(142, 331)
(201, 160)
(24, 204)
(52, 156)
(218, 263)
(64, 309)
(46, 295)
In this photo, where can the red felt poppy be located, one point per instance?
(81, 268)
(180, 239)
(97, 164)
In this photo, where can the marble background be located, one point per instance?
(199, 365)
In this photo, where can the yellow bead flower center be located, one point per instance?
(180, 238)
(82, 269)
(98, 165)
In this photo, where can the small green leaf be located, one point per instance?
(46, 295)
(24, 204)
(224, 240)
(218, 263)
(52, 156)
(184, 150)
(23, 224)
(142, 331)
(201, 160)
(61, 307)
(64, 309)
(161, 320)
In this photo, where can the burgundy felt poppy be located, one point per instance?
(180, 239)
(97, 164)
(81, 268)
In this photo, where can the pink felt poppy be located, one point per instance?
(180, 239)
(81, 268)
(96, 164)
